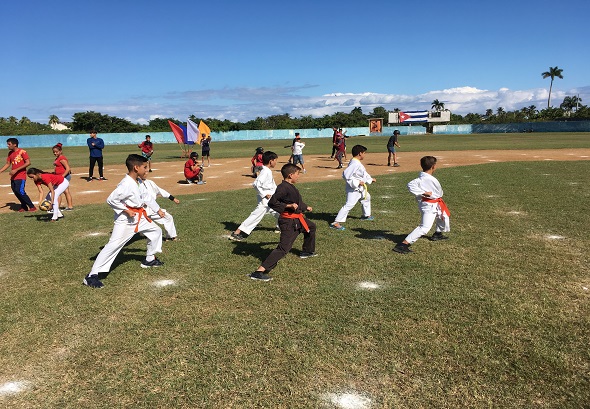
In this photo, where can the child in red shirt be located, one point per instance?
(56, 184)
(19, 159)
(193, 171)
(257, 162)
(62, 167)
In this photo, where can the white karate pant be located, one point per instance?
(167, 222)
(257, 214)
(351, 199)
(429, 215)
(123, 231)
(58, 190)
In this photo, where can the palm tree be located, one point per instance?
(500, 111)
(53, 120)
(567, 105)
(437, 105)
(553, 72)
(489, 112)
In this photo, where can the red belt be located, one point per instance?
(141, 212)
(441, 203)
(299, 216)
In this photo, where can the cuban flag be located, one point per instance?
(413, 116)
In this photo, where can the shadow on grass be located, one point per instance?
(320, 216)
(15, 207)
(243, 248)
(366, 234)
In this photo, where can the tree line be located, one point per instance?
(82, 122)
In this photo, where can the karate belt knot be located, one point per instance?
(141, 212)
(441, 203)
(299, 216)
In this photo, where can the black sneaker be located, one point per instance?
(305, 254)
(402, 249)
(154, 263)
(92, 281)
(102, 178)
(438, 236)
(260, 276)
(237, 237)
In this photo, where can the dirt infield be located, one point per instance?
(234, 174)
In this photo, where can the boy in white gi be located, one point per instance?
(428, 192)
(357, 179)
(129, 200)
(265, 187)
(167, 221)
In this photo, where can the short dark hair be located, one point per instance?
(427, 162)
(93, 131)
(134, 160)
(13, 141)
(147, 136)
(289, 169)
(356, 149)
(268, 156)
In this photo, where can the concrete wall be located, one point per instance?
(47, 141)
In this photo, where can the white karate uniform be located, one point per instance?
(430, 211)
(167, 221)
(355, 173)
(57, 191)
(264, 185)
(132, 193)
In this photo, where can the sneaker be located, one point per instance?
(438, 236)
(89, 179)
(277, 230)
(154, 263)
(102, 178)
(260, 276)
(32, 209)
(21, 210)
(69, 208)
(388, 163)
(368, 218)
(396, 165)
(172, 239)
(190, 182)
(200, 183)
(92, 282)
(237, 237)
(337, 226)
(305, 254)
(402, 248)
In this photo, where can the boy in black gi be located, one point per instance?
(288, 203)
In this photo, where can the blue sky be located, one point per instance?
(238, 60)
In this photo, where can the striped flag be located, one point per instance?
(413, 116)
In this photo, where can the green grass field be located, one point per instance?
(497, 316)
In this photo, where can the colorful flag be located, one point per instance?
(193, 134)
(205, 131)
(178, 131)
(413, 116)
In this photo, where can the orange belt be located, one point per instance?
(141, 212)
(299, 216)
(441, 203)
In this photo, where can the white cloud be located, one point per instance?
(243, 104)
